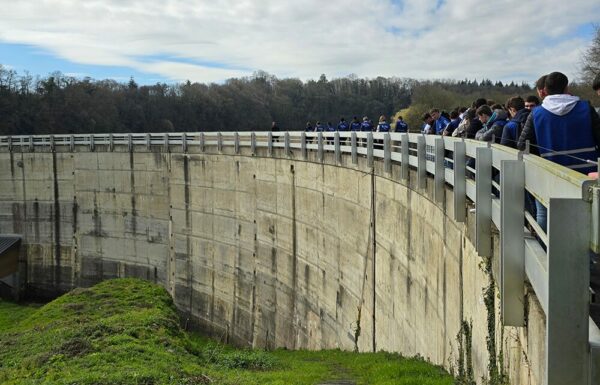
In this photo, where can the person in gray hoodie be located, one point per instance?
(492, 128)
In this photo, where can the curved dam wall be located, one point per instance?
(270, 251)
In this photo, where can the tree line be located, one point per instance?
(59, 104)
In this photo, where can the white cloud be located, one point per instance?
(460, 38)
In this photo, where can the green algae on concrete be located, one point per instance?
(127, 331)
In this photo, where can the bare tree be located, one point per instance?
(590, 60)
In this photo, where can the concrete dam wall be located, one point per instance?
(271, 251)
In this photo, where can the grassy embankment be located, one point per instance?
(127, 332)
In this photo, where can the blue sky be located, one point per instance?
(210, 41)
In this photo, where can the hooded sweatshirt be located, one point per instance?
(563, 130)
(493, 128)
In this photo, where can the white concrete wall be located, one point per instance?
(266, 252)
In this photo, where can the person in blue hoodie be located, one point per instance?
(383, 125)
(518, 114)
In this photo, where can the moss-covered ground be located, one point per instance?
(126, 331)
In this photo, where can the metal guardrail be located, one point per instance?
(493, 177)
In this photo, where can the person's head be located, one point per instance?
(491, 103)
(342, 119)
(596, 84)
(532, 101)
(355, 119)
(479, 102)
(454, 114)
(515, 104)
(556, 83)
(318, 123)
(427, 118)
(497, 106)
(308, 124)
(462, 110)
(483, 113)
(540, 86)
(434, 113)
(273, 124)
(382, 118)
(400, 117)
(365, 119)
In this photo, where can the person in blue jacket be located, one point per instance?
(355, 125)
(440, 121)
(383, 125)
(401, 125)
(319, 127)
(453, 125)
(366, 125)
(343, 125)
(566, 129)
(518, 116)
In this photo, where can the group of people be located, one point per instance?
(554, 124)
(355, 125)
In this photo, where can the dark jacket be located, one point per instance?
(474, 126)
(512, 129)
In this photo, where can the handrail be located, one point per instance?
(493, 177)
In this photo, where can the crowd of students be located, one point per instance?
(355, 125)
(555, 125)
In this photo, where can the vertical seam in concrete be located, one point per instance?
(57, 251)
(374, 239)
(294, 252)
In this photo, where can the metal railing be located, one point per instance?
(493, 177)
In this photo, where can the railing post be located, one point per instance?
(184, 143)
(338, 152)
(512, 242)
(440, 172)
(31, 143)
(148, 141)
(369, 149)
(354, 151)
(320, 146)
(303, 144)
(111, 142)
(270, 143)
(286, 143)
(71, 143)
(483, 201)
(52, 146)
(9, 140)
(460, 181)
(253, 143)
(166, 142)
(129, 142)
(405, 151)
(387, 153)
(219, 142)
(421, 162)
(567, 314)
(202, 142)
(236, 137)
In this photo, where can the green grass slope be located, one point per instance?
(126, 331)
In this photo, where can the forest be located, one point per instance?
(60, 104)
